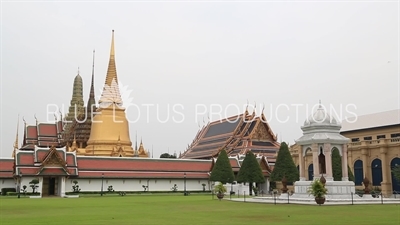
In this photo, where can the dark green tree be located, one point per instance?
(284, 166)
(34, 184)
(167, 155)
(222, 170)
(336, 165)
(350, 173)
(396, 173)
(250, 171)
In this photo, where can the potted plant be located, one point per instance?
(318, 190)
(255, 190)
(220, 189)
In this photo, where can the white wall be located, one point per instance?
(7, 183)
(136, 184)
(26, 180)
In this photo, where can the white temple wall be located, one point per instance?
(7, 183)
(136, 184)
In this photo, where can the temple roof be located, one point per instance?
(42, 135)
(237, 134)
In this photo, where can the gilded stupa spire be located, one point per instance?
(111, 93)
(91, 106)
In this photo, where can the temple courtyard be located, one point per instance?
(179, 209)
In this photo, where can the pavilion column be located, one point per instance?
(314, 148)
(345, 172)
(328, 161)
(385, 184)
(301, 165)
(62, 186)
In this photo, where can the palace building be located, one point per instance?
(373, 150)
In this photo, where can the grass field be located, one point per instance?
(193, 209)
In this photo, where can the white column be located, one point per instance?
(345, 172)
(328, 162)
(301, 164)
(62, 185)
(314, 148)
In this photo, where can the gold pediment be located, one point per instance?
(261, 132)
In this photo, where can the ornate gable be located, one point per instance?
(261, 132)
(53, 160)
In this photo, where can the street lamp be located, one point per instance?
(184, 184)
(102, 179)
(19, 184)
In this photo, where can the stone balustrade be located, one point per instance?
(374, 143)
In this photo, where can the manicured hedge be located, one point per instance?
(4, 191)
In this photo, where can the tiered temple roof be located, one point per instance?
(237, 134)
(42, 135)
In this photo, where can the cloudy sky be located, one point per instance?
(193, 60)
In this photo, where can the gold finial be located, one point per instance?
(112, 44)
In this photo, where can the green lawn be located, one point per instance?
(193, 209)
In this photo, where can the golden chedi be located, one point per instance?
(109, 134)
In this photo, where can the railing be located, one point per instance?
(374, 142)
(397, 139)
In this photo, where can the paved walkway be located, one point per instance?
(271, 200)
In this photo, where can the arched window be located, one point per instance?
(395, 183)
(311, 172)
(358, 172)
(376, 166)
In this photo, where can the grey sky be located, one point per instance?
(201, 53)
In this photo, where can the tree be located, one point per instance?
(250, 171)
(167, 155)
(396, 173)
(336, 165)
(33, 185)
(284, 166)
(350, 173)
(222, 170)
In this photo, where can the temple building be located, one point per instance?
(99, 130)
(95, 150)
(373, 149)
(237, 135)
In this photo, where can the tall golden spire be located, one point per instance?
(111, 94)
(110, 126)
(16, 140)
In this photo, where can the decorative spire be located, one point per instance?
(76, 104)
(91, 106)
(16, 140)
(136, 142)
(320, 104)
(111, 93)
